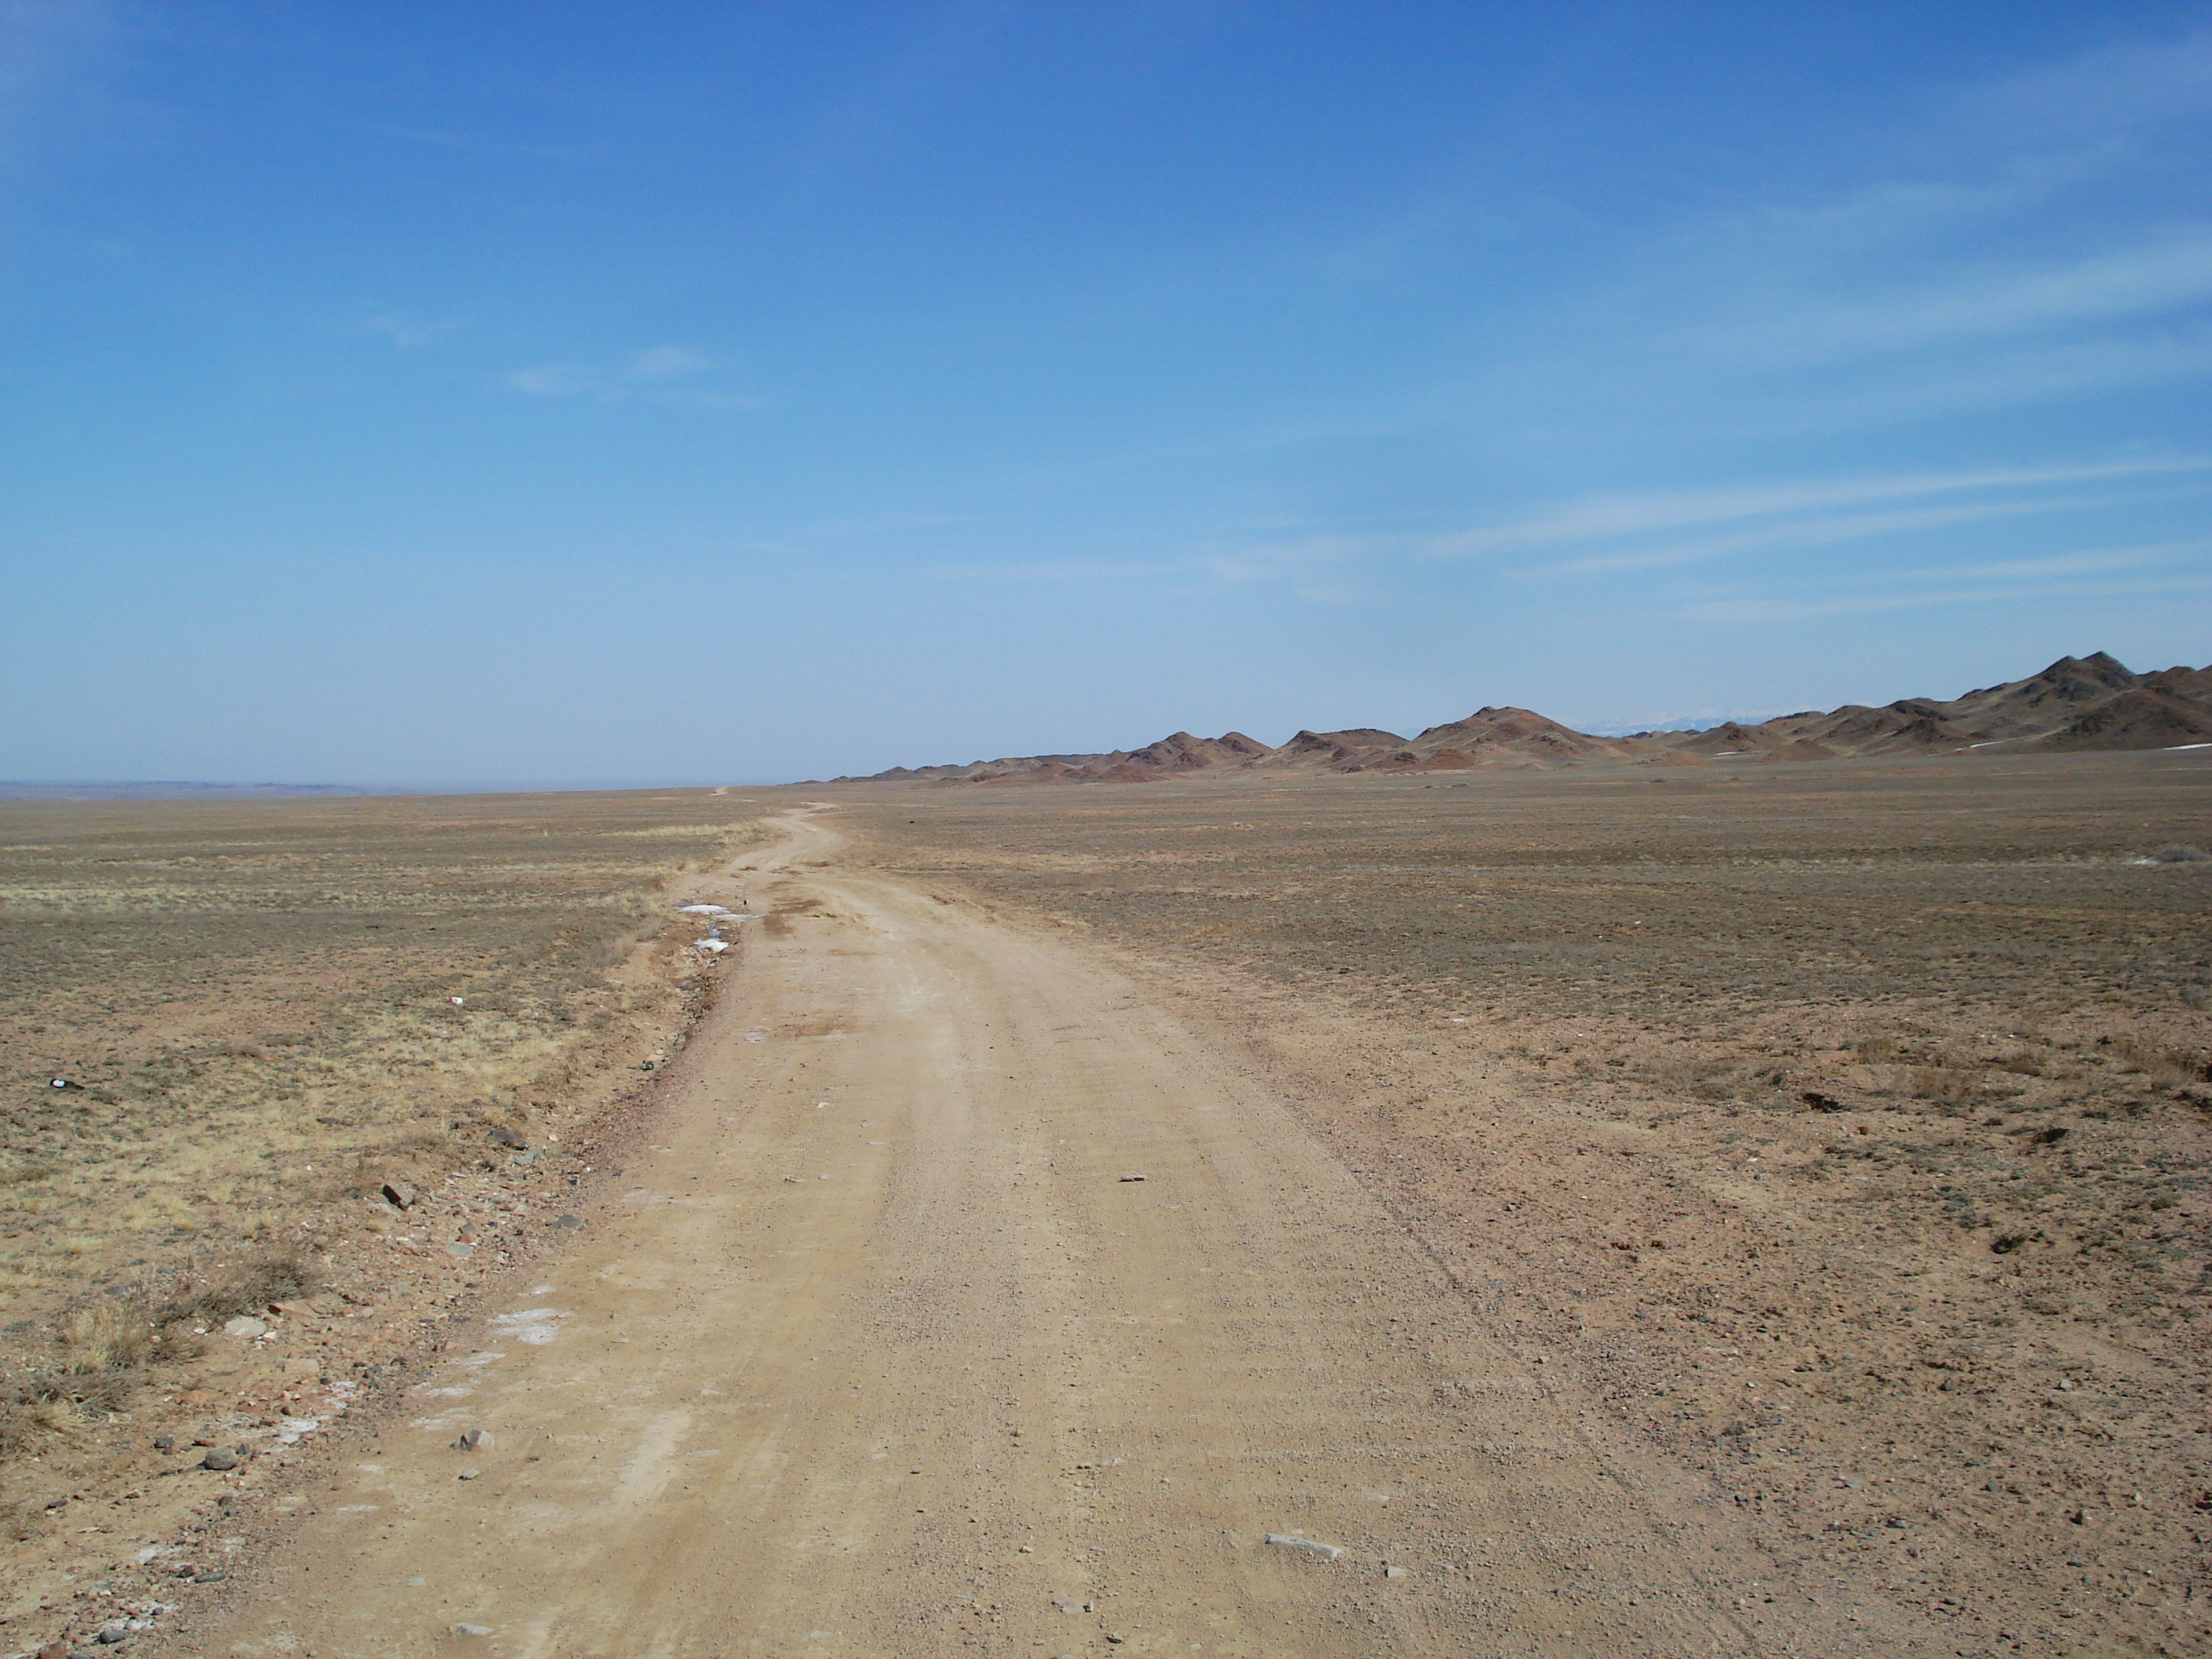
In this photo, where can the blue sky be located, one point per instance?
(450, 391)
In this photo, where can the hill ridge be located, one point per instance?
(2076, 703)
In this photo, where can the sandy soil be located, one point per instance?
(1761, 1215)
(885, 1349)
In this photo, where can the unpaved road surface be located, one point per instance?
(882, 1351)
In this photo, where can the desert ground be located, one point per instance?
(1609, 1211)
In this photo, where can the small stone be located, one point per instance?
(165, 1443)
(508, 1139)
(1129, 1177)
(470, 1475)
(398, 1194)
(111, 1634)
(568, 1223)
(460, 1249)
(472, 1438)
(1116, 1636)
(213, 1576)
(471, 1630)
(1326, 1552)
(219, 1459)
(1393, 1572)
(245, 1326)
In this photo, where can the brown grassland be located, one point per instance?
(1845, 1129)
(250, 1003)
(1841, 1131)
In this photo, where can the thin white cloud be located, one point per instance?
(667, 362)
(1822, 533)
(654, 374)
(409, 331)
(1066, 571)
(2061, 564)
(1783, 610)
(1606, 518)
(2149, 279)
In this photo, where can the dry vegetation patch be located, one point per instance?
(263, 1014)
(1846, 1129)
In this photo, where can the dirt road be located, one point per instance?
(966, 1301)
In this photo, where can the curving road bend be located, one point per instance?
(885, 1352)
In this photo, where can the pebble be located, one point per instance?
(1326, 1552)
(165, 1443)
(470, 1475)
(244, 1325)
(1130, 1177)
(111, 1634)
(400, 1194)
(220, 1459)
(471, 1630)
(472, 1438)
(1393, 1572)
(460, 1249)
(568, 1223)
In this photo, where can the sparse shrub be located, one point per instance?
(278, 1277)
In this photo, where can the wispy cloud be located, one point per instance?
(2147, 279)
(661, 374)
(1616, 518)
(409, 331)
(1777, 609)
(1070, 572)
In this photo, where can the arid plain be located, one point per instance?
(1803, 1168)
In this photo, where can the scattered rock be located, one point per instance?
(1326, 1552)
(568, 1223)
(165, 1443)
(472, 1438)
(1393, 1572)
(244, 1325)
(111, 1634)
(460, 1249)
(471, 1630)
(398, 1194)
(1821, 1103)
(1132, 1177)
(508, 1139)
(470, 1475)
(220, 1459)
(212, 1575)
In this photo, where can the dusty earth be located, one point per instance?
(968, 1299)
(1578, 1214)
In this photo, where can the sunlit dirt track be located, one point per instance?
(965, 1300)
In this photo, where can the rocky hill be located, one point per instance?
(2078, 702)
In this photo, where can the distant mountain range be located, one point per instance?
(2076, 703)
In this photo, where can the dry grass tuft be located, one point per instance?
(252, 1288)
